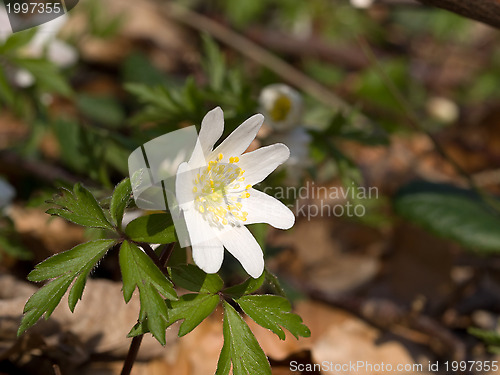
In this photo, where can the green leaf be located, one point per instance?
(120, 200)
(103, 109)
(75, 261)
(491, 338)
(6, 92)
(63, 268)
(214, 65)
(17, 40)
(79, 207)
(192, 278)
(44, 301)
(138, 270)
(247, 287)
(451, 213)
(193, 308)
(155, 228)
(240, 348)
(47, 75)
(273, 312)
(274, 283)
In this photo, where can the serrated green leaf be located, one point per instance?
(193, 309)
(155, 228)
(247, 287)
(64, 268)
(451, 213)
(273, 312)
(78, 260)
(138, 270)
(44, 301)
(80, 207)
(120, 200)
(274, 283)
(76, 292)
(141, 328)
(192, 278)
(241, 348)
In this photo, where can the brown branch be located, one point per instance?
(486, 11)
(13, 164)
(346, 57)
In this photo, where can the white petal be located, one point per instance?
(243, 246)
(208, 255)
(212, 127)
(260, 163)
(207, 248)
(239, 140)
(263, 208)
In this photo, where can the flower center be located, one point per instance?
(281, 108)
(219, 189)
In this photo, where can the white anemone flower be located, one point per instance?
(282, 106)
(216, 195)
(44, 43)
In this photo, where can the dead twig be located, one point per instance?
(486, 11)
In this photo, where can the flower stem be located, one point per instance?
(132, 355)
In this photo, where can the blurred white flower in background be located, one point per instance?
(44, 43)
(282, 107)
(361, 3)
(442, 109)
(7, 194)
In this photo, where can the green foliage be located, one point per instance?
(80, 207)
(193, 309)
(490, 338)
(72, 265)
(119, 201)
(154, 228)
(271, 312)
(452, 213)
(101, 23)
(247, 287)
(138, 270)
(103, 109)
(194, 279)
(240, 349)
(172, 104)
(47, 75)
(17, 40)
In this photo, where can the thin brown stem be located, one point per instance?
(132, 355)
(165, 254)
